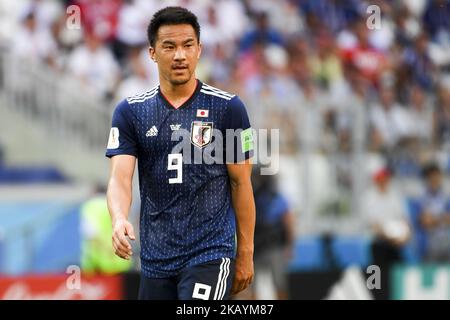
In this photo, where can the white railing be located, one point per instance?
(57, 101)
(311, 173)
(74, 123)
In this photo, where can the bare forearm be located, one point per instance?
(244, 206)
(119, 199)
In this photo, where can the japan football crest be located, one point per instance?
(201, 133)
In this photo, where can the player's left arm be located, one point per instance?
(244, 207)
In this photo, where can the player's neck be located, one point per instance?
(177, 95)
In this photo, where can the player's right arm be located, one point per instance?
(119, 196)
(122, 149)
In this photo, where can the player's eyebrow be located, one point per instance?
(169, 42)
(174, 43)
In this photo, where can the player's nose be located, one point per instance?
(179, 54)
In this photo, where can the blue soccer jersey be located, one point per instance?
(186, 215)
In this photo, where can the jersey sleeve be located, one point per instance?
(122, 136)
(239, 143)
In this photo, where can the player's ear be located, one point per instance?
(199, 50)
(151, 52)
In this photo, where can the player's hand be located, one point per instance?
(243, 274)
(121, 229)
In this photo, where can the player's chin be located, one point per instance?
(177, 80)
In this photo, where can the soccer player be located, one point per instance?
(193, 244)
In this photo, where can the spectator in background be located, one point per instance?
(95, 65)
(299, 53)
(335, 14)
(421, 112)
(262, 32)
(268, 83)
(33, 43)
(131, 26)
(137, 80)
(390, 122)
(369, 61)
(442, 115)
(47, 12)
(274, 235)
(435, 215)
(284, 15)
(415, 134)
(101, 17)
(30, 46)
(408, 26)
(309, 120)
(348, 102)
(436, 17)
(385, 209)
(212, 34)
(417, 63)
(270, 79)
(326, 65)
(384, 37)
(214, 68)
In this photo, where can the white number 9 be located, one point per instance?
(178, 157)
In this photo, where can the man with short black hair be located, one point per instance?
(192, 243)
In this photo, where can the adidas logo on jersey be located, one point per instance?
(152, 132)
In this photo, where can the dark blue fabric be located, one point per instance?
(188, 223)
(210, 276)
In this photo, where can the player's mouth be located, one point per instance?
(179, 67)
(179, 70)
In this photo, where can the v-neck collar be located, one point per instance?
(170, 106)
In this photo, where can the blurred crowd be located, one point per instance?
(311, 66)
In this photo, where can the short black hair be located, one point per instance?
(171, 16)
(430, 168)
